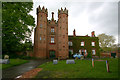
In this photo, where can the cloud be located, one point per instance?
(85, 17)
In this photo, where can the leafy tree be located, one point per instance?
(27, 46)
(17, 25)
(106, 41)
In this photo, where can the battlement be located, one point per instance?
(49, 21)
(65, 11)
(39, 9)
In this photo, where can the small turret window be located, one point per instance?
(41, 25)
(40, 38)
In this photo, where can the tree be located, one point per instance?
(106, 41)
(17, 25)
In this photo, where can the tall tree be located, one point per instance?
(106, 41)
(17, 25)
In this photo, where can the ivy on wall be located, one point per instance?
(76, 41)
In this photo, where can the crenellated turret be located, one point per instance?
(39, 9)
(40, 47)
(63, 11)
(63, 31)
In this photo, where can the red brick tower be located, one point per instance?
(40, 35)
(63, 33)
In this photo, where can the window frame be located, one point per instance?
(40, 25)
(81, 43)
(52, 29)
(70, 43)
(92, 44)
(94, 51)
(52, 40)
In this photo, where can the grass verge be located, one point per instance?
(82, 69)
(13, 62)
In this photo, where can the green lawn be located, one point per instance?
(13, 62)
(82, 69)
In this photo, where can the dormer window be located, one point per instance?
(82, 43)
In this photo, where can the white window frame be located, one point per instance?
(82, 43)
(52, 40)
(93, 43)
(93, 50)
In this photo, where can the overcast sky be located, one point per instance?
(85, 16)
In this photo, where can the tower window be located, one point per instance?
(52, 40)
(93, 43)
(40, 38)
(52, 29)
(82, 43)
(41, 25)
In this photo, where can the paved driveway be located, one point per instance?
(13, 72)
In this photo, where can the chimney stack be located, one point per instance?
(52, 15)
(93, 34)
(74, 34)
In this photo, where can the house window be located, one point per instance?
(85, 51)
(41, 25)
(40, 38)
(52, 40)
(52, 29)
(82, 43)
(93, 43)
(93, 52)
(70, 43)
